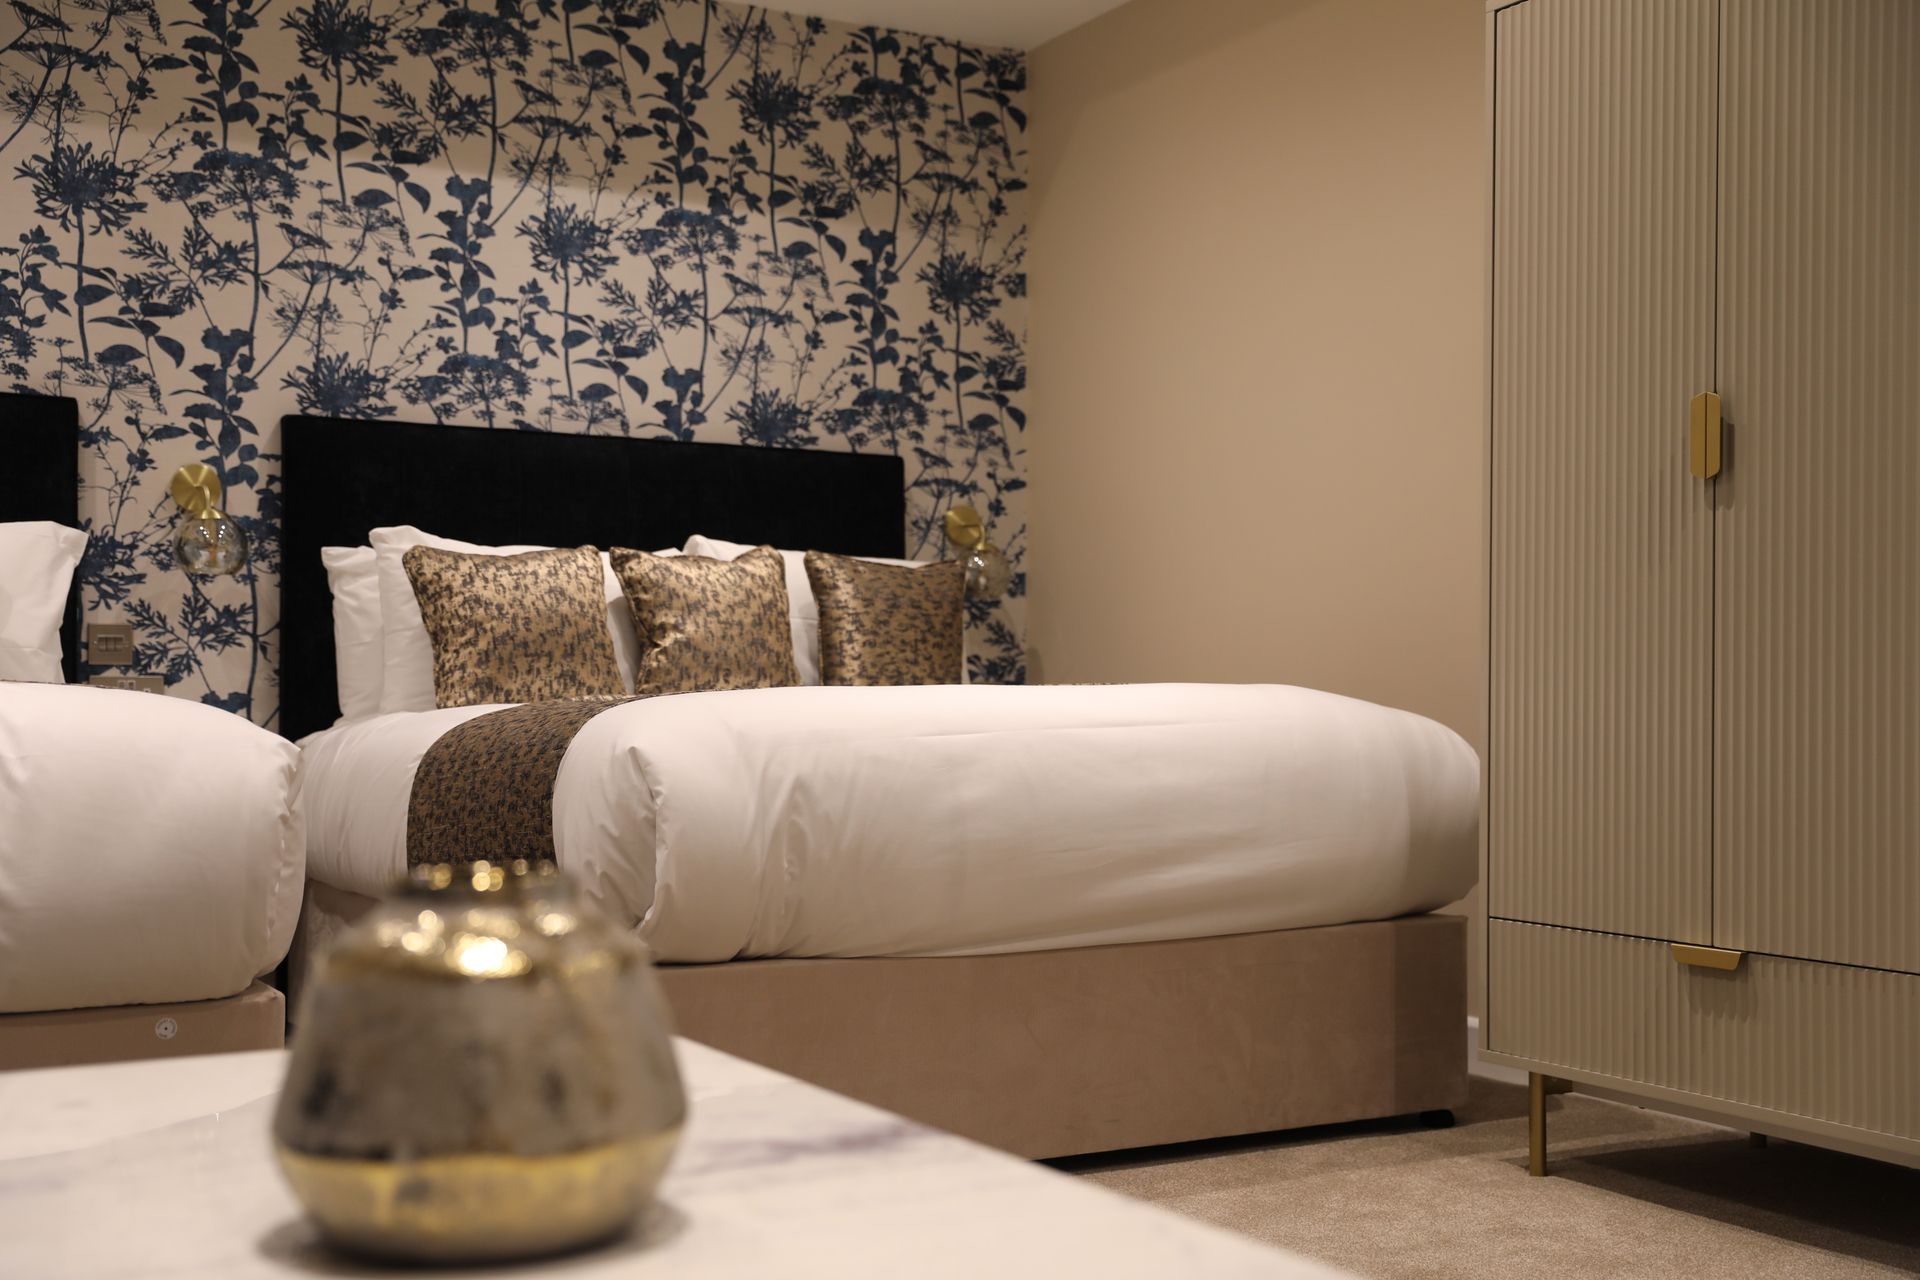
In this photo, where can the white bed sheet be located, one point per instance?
(152, 849)
(960, 820)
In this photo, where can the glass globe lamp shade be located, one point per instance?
(989, 572)
(210, 544)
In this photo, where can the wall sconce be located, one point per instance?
(988, 570)
(207, 543)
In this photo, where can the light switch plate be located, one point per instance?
(109, 644)
(127, 680)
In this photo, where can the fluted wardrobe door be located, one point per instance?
(1818, 558)
(1599, 773)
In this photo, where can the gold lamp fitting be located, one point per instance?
(989, 572)
(197, 488)
(208, 542)
(965, 529)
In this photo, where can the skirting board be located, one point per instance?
(1478, 1066)
(254, 1019)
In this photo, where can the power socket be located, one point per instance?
(128, 680)
(110, 644)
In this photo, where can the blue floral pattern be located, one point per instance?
(667, 218)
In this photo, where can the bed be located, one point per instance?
(1056, 920)
(139, 903)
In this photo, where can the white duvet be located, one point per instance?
(151, 849)
(951, 820)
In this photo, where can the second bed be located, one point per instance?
(1056, 919)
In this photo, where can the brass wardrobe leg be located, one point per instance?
(1536, 1124)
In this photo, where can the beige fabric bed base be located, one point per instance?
(1054, 1053)
(254, 1019)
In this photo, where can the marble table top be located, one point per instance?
(157, 1169)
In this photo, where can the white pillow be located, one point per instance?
(803, 611)
(359, 647)
(37, 560)
(407, 652)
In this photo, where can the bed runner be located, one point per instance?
(484, 789)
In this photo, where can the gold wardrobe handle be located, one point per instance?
(1704, 455)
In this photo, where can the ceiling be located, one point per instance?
(1019, 24)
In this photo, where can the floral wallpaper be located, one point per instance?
(665, 218)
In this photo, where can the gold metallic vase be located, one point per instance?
(482, 1069)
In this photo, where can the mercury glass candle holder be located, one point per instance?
(482, 1070)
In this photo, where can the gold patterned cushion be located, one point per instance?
(888, 623)
(709, 624)
(521, 628)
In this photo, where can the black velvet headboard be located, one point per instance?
(343, 478)
(40, 462)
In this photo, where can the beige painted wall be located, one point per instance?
(1257, 252)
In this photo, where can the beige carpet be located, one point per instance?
(1634, 1193)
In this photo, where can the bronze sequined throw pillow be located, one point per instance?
(888, 623)
(520, 628)
(709, 624)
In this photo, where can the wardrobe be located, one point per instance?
(1703, 765)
